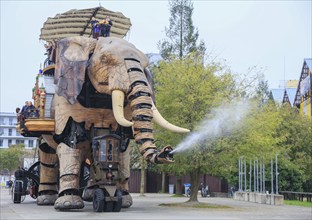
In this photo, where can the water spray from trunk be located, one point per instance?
(219, 122)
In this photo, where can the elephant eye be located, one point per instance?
(134, 69)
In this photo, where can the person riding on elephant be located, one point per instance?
(106, 26)
(96, 28)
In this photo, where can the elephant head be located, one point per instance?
(115, 67)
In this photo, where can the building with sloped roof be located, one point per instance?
(304, 91)
(277, 95)
(284, 95)
(289, 96)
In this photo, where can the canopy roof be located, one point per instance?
(77, 23)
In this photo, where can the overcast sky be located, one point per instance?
(244, 33)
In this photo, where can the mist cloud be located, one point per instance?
(221, 121)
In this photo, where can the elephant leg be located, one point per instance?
(69, 160)
(124, 174)
(48, 175)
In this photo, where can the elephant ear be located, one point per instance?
(71, 62)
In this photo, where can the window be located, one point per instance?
(10, 121)
(10, 132)
(9, 142)
(30, 143)
(1, 143)
(1, 131)
(19, 141)
(2, 122)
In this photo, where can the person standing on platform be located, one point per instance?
(96, 29)
(106, 26)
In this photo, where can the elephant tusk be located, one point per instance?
(165, 124)
(118, 98)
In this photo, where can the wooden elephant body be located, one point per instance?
(102, 87)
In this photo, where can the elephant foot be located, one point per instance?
(48, 199)
(126, 200)
(69, 202)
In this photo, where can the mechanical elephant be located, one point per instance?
(101, 85)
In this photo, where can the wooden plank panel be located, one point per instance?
(34, 125)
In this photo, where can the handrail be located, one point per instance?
(290, 195)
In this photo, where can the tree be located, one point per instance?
(188, 91)
(12, 157)
(190, 88)
(262, 91)
(296, 160)
(138, 162)
(268, 130)
(182, 35)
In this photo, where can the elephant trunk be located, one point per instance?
(143, 111)
(142, 114)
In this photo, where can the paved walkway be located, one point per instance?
(148, 208)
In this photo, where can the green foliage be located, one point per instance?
(189, 88)
(135, 156)
(186, 90)
(298, 203)
(182, 35)
(12, 157)
(258, 136)
(295, 131)
(290, 176)
(262, 91)
(270, 130)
